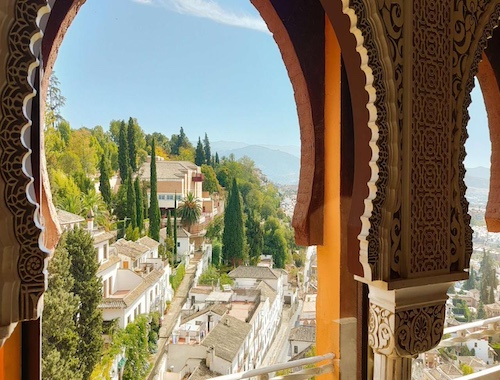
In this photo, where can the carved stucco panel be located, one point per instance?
(22, 247)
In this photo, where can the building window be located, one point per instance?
(105, 250)
(170, 197)
(295, 349)
(161, 197)
(179, 197)
(178, 244)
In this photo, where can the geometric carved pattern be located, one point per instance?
(431, 128)
(421, 74)
(405, 333)
(15, 165)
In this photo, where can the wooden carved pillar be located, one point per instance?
(417, 60)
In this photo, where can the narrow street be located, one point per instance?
(278, 352)
(169, 319)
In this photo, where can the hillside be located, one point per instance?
(279, 166)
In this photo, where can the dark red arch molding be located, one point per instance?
(489, 79)
(299, 30)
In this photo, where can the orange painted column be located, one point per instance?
(10, 356)
(329, 263)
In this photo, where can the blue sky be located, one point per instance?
(206, 65)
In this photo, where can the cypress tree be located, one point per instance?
(88, 287)
(233, 238)
(175, 226)
(217, 162)
(154, 208)
(104, 186)
(60, 338)
(169, 225)
(132, 148)
(123, 154)
(199, 158)
(255, 238)
(131, 201)
(139, 204)
(208, 153)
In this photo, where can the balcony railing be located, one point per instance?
(305, 373)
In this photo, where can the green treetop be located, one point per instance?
(233, 238)
(154, 209)
(123, 153)
(199, 158)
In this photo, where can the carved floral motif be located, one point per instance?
(15, 128)
(405, 333)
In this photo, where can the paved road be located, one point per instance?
(278, 352)
(174, 310)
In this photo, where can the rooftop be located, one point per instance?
(66, 217)
(303, 333)
(259, 273)
(130, 248)
(227, 337)
(167, 170)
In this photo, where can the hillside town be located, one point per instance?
(187, 261)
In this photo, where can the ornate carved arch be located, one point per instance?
(22, 224)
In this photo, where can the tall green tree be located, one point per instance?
(169, 225)
(208, 152)
(210, 182)
(275, 242)
(132, 144)
(88, 288)
(154, 208)
(60, 338)
(104, 185)
(175, 226)
(217, 161)
(233, 238)
(139, 204)
(123, 152)
(255, 238)
(199, 157)
(131, 201)
(189, 211)
(489, 281)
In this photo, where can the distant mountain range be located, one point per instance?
(280, 164)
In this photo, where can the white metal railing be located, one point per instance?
(479, 329)
(307, 373)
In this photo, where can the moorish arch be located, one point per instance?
(408, 69)
(30, 228)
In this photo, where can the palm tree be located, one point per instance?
(189, 211)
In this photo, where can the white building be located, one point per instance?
(135, 280)
(185, 248)
(301, 338)
(174, 179)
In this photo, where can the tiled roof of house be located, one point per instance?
(216, 308)
(66, 217)
(167, 170)
(103, 236)
(259, 273)
(148, 242)
(181, 233)
(303, 333)
(149, 281)
(130, 248)
(227, 337)
(266, 292)
(132, 296)
(112, 260)
(112, 303)
(201, 290)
